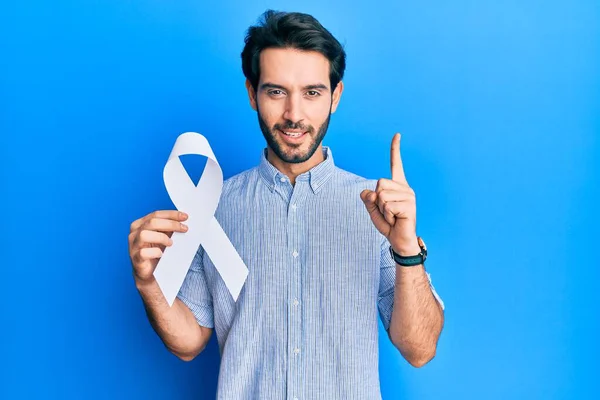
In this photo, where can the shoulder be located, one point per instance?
(237, 188)
(240, 180)
(352, 181)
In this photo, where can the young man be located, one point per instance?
(317, 241)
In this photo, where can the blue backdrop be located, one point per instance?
(498, 103)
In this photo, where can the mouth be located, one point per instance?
(292, 136)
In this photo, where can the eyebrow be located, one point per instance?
(269, 85)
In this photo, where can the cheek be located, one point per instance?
(270, 111)
(317, 113)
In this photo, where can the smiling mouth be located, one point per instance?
(293, 134)
(292, 137)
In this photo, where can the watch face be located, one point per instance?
(423, 247)
(421, 243)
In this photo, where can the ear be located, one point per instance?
(251, 94)
(336, 95)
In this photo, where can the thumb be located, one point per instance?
(368, 197)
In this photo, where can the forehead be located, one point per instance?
(293, 67)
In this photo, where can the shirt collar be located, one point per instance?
(317, 175)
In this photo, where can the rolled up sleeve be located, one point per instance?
(195, 294)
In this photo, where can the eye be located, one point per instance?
(275, 92)
(313, 93)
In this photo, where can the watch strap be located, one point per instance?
(409, 261)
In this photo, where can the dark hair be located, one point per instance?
(291, 30)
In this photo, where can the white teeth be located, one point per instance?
(293, 134)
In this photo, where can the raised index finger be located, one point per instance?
(396, 161)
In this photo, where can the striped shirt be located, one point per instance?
(305, 325)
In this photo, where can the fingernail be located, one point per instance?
(184, 215)
(184, 227)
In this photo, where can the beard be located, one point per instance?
(271, 134)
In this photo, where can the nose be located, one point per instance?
(293, 109)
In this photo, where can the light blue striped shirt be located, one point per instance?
(306, 323)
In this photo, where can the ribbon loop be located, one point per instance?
(200, 203)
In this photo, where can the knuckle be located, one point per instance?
(144, 235)
(145, 253)
(164, 239)
(136, 238)
(142, 256)
(135, 258)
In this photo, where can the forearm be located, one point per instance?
(176, 325)
(417, 318)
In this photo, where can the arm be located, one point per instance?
(176, 326)
(417, 317)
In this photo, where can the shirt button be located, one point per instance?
(295, 253)
(296, 302)
(296, 350)
(282, 179)
(294, 207)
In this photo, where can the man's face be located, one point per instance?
(294, 102)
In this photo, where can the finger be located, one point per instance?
(405, 194)
(385, 198)
(388, 184)
(384, 210)
(398, 209)
(396, 160)
(165, 225)
(166, 214)
(150, 253)
(153, 238)
(370, 199)
(388, 214)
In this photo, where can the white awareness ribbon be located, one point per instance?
(199, 202)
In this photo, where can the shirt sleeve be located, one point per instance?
(386, 285)
(195, 294)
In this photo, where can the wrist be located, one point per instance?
(409, 255)
(143, 284)
(407, 248)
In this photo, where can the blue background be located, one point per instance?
(498, 103)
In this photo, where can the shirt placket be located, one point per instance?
(294, 292)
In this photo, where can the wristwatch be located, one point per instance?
(411, 261)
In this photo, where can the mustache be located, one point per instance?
(295, 126)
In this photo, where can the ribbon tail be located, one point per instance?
(175, 262)
(225, 257)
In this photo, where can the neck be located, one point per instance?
(292, 170)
